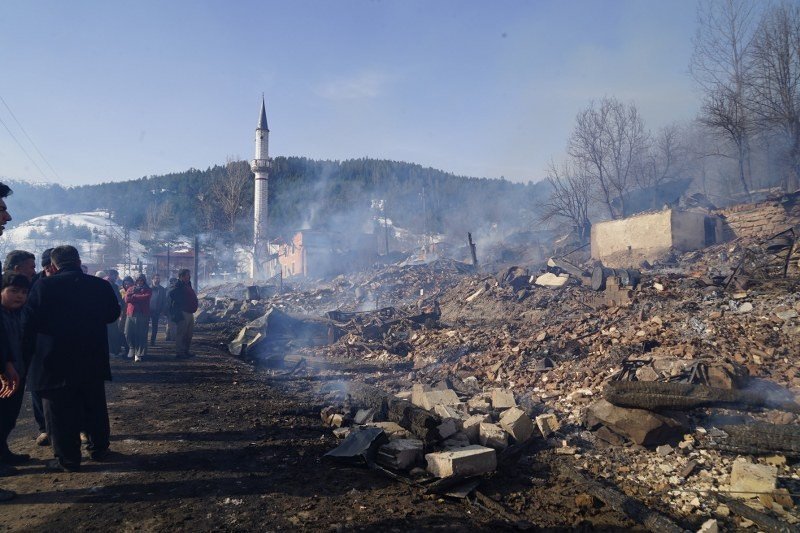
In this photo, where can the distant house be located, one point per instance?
(319, 254)
(167, 264)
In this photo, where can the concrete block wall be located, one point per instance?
(628, 241)
(756, 220)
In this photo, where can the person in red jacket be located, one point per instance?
(182, 305)
(137, 299)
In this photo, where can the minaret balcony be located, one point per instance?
(260, 165)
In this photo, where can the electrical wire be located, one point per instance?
(24, 151)
(35, 147)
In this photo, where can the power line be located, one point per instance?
(23, 149)
(35, 147)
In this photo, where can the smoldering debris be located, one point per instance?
(655, 381)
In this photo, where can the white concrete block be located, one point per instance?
(472, 425)
(493, 436)
(517, 424)
(431, 399)
(503, 399)
(469, 461)
(547, 424)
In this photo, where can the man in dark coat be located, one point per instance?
(36, 401)
(66, 316)
(182, 306)
(158, 304)
(9, 379)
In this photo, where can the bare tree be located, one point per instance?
(230, 191)
(570, 198)
(608, 144)
(774, 84)
(666, 158)
(719, 66)
(158, 216)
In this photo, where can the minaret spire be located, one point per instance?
(260, 166)
(262, 121)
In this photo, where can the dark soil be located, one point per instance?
(211, 443)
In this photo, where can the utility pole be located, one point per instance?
(196, 263)
(424, 216)
(385, 228)
(126, 236)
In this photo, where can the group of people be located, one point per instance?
(58, 328)
(142, 306)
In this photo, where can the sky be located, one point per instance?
(97, 91)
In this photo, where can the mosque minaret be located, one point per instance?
(260, 166)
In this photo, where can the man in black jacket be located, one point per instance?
(67, 315)
(9, 379)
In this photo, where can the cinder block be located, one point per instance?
(448, 427)
(431, 399)
(450, 411)
(472, 427)
(457, 441)
(470, 461)
(479, 403)
(548, 424)
(503, 399)
(417, 393)
(493, 436)
(517, 424)
(401, 453)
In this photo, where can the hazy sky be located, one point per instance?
(110, 91)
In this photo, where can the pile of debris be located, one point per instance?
(674, 384)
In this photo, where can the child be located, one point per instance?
(13, 295)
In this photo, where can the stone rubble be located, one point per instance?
(502, 360)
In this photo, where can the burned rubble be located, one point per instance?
(672, 385)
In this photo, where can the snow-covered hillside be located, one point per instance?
(98, 238)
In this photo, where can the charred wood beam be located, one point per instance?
(657, 396)
(636, 510)
(763, 521)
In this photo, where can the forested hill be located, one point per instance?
(303, 193)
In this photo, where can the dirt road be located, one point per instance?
(213, 444)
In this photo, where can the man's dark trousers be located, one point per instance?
(9, 411)
(38, 411)
(154, 327)
(70, 409)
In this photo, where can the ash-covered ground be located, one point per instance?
(665, 406)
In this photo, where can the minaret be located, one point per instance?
(260, 166)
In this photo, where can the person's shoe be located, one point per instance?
(137, 359)
(43, 439)
(7, 470)
(6, 495)
(11, 458)
(57, 465)
(100, 455)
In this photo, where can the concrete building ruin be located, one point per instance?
(627, 242)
